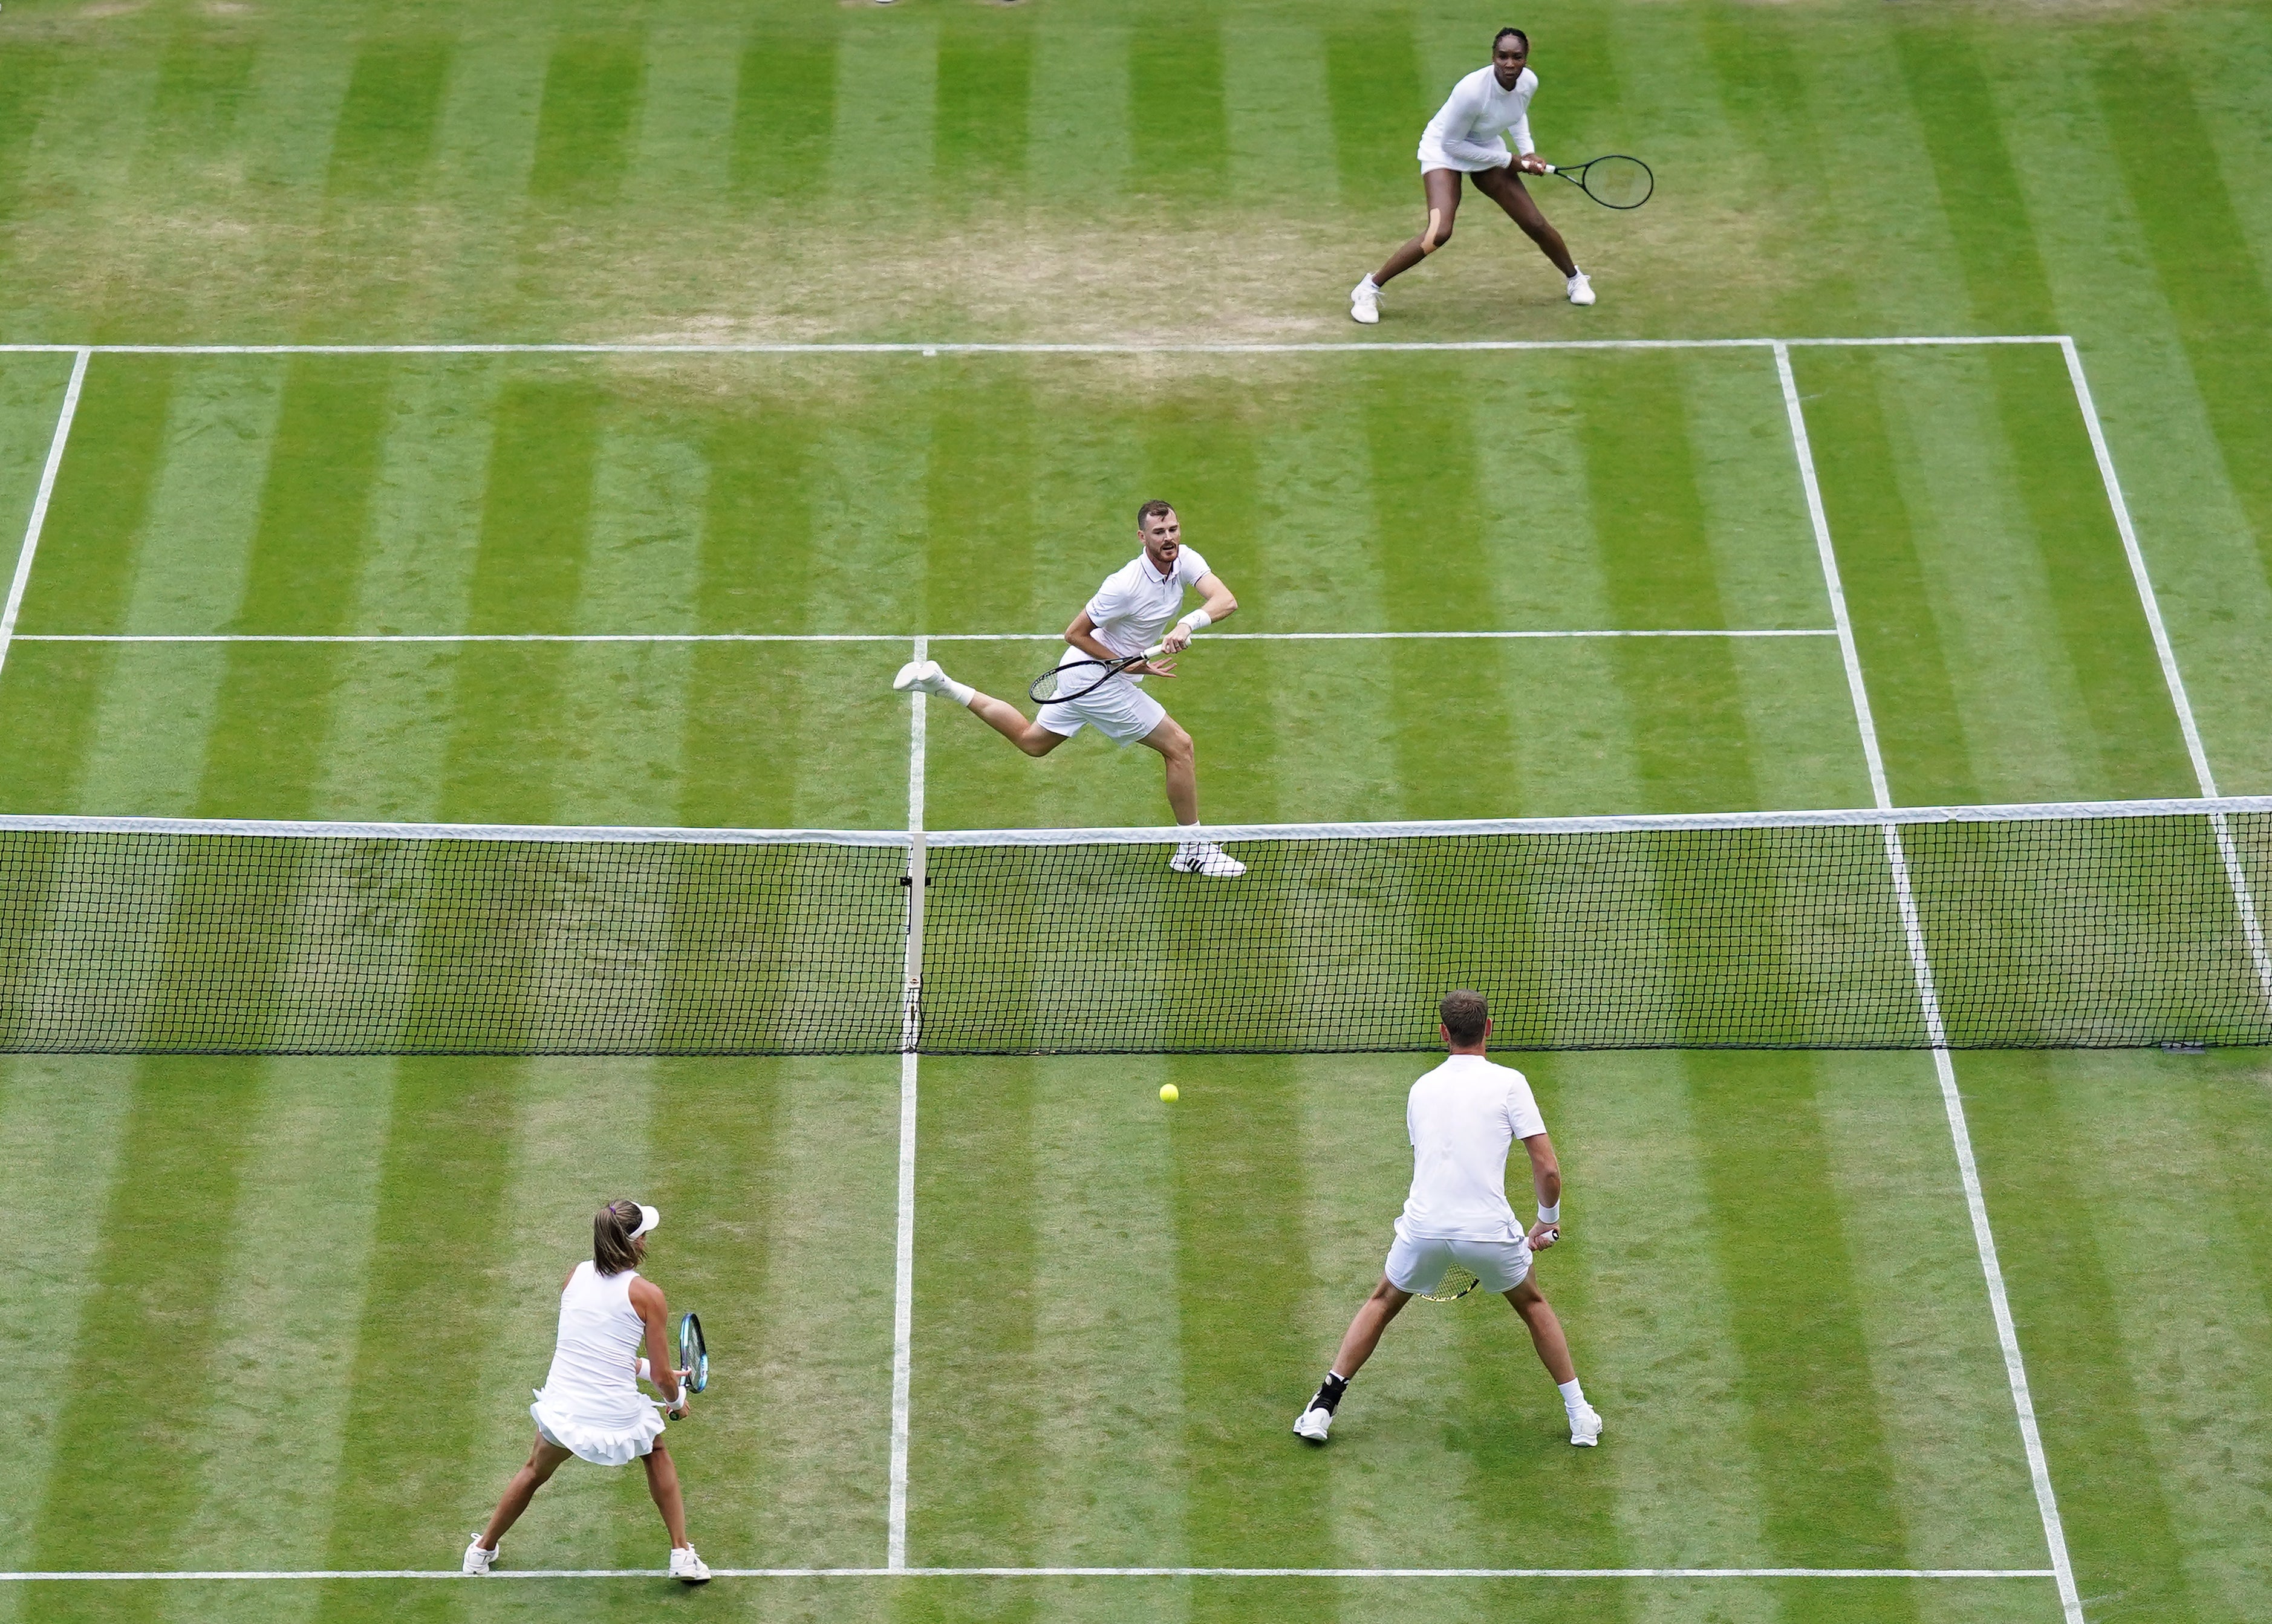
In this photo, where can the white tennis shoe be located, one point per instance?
(1312, 1424)
(1581, 291)
(1365, 303)
(1206, 857)
(1586, 1427)
(687, 1565)
(477, 1560)
(920, 676)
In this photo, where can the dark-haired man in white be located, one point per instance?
(1463, 1118)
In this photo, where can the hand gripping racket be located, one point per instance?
(694, 1353)
(1077, 679)
(1615, 182)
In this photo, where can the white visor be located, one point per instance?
(648, 1218)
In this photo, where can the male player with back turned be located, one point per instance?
(1462, 1117)
(1124, 618)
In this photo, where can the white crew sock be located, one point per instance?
(1574, 275)
(1369, 282)
(960, 692)
(1574, 1396)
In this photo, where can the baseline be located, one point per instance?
(1070, 1573)
(940, 347)
(855, 636)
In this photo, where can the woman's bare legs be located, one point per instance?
(1504, 188)
(1442, 187)
(663, 1483)
(544, 1459)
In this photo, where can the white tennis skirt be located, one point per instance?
(1434, 157)
(616, 1441)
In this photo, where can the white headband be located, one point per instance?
(648, 1218)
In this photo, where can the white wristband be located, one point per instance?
(1550, 1215)
(1195, 622)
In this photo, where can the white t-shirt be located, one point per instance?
(1136, 603)
(1465, 133)
(1462, 1117)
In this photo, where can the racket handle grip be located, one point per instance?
(1550, 170)
(1156, 651)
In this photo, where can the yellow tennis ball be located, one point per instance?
(1167, 1093)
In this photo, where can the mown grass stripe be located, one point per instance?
(2216, 288)
(390, 121)
(1252, 1491)
(156, 1306)
(975, 1439)
(985, 85)
(784, 113)
(428, 1306)
(594, 88)
(2042, 1164)
(274, 716)
(271, 1422)
(1176, 105)
(1380, 101)
(1806, 1382)
(1911, 691)
(59, 1136)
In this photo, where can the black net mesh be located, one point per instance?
(2070, 931)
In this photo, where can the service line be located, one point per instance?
(868, 636)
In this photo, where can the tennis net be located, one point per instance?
(2096, 924)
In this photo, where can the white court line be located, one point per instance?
(855, 636)
(1074, 1572)
(38, 521)
(903, 1279)
(2252, 926)
(945, 348)
(1984, 1238)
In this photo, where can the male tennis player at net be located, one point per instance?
(1463, 138)
(590, 1405)
(1462, 1117)
(1124, 618)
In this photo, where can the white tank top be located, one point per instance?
(595, 1360)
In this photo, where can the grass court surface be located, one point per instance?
(313, 1292)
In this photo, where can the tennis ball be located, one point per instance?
(1167, 1093)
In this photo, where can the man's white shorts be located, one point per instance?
(1418, 1265)
(1119, 709)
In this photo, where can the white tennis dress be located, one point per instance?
(591, 1401)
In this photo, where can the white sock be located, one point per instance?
(960, 692)
(1574, 1396)
(1574, 275)
(1369, 282)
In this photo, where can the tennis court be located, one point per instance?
(627, 587)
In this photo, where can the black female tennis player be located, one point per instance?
(590, 1405)
(1464, 139)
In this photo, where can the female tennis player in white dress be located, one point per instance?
(590, 1405)
(1464, 139)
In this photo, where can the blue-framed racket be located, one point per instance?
(694, 1353)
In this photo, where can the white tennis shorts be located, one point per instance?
(1417, 1264)
(1119, 710)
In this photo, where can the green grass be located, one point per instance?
(276, 1314)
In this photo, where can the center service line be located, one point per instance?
(903, 1277)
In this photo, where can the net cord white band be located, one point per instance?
(2022, 812)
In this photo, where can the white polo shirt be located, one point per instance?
(1462, 1119)
(1136, 603)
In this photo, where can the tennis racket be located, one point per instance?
(1457, 1282)
(694, 1353)
(1616, 182)
(1080, 678)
